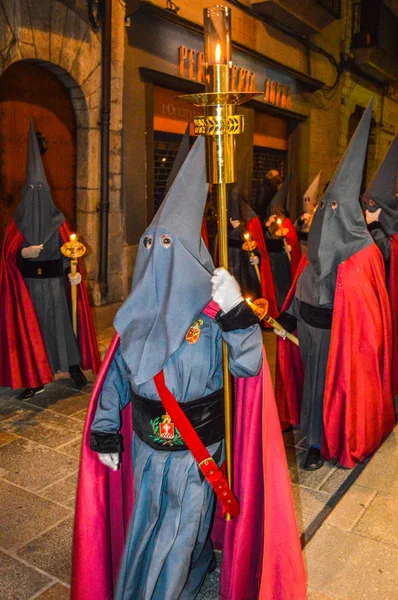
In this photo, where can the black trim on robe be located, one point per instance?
(239, 317)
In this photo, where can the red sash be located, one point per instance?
(206, 463)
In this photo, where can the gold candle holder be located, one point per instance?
(73, 250)
(220, 124)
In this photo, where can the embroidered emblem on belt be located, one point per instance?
(39, 272)
(193, 332)
(164, 431)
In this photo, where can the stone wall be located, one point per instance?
(58, 35)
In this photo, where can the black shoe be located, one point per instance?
(78, 376)
(30, 392)
(313, 460)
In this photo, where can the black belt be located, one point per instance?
(233, 243)
(41, 269)
(316, 316)
(152, 426)
(274, 245)
(303, 236)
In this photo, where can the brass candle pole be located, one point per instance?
(73, 250)
(220, 125)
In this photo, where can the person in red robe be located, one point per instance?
(282, 243)
(36, 335)
(381, 213)
(339, 387)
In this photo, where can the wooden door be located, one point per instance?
(28, 90)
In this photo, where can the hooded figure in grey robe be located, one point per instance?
(168, 550)
(380, 202)
(38, 219)
(310, 203)
(278, 257)
(337, 232)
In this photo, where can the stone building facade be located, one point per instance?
(316, 54)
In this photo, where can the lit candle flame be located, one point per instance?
(279, 221)
(246, 236)
(218, 53)
(73, 237)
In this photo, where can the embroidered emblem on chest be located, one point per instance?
(193, 332)
(164, 431)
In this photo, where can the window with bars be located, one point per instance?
(166, 148)
(265, 159)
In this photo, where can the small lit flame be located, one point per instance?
(279, 221)
(246, 236)
(248, 299)
(73, 237)
(218, 53)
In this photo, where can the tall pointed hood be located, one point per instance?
(36, 216)
(278, 202)
(181, 155)
(310, 197)
(172, 274)
(338, 228)
(381, 191)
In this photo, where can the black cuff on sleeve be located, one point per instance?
(239, 317)
(374, 225)
(288, 322)
(106, 442)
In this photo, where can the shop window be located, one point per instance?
(166, 148)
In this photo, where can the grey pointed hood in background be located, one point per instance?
(36, 216)
(338, 229)
(382, 190)
(310, 196)
(278, 202)
(181, 155)
(171, 283)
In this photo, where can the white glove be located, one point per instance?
(111, 460)
(31, 251)
(74, 279)
(254, 260)
(287, 248)
(281, 332)
(225, 290)
(372, 217)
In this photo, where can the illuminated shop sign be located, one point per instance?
(243, 80)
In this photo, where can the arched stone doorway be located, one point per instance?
(29, 90)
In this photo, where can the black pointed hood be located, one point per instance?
(278, 202)
(36, 216)
(338, 229)
(181, 155)
(381, 191)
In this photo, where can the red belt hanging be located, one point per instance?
(206, 463)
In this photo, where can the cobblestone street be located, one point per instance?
(353, 554)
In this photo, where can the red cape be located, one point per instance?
(358, 408)
(393, 291)
(293, 240)
(261, 551)
(267, 282)
(24, 361)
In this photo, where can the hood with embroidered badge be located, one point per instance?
(338, 229)
(36, 216)
(381, 191)
(171, 283)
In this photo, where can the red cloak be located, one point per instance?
(293, 240)
(358, 407)
(261, 550)
(24, 361)
(393, 291)
(267, 282)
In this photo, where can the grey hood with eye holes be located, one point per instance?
(171, 284)
(338, 229)
(36, 216)
(382, 190)
(311, 194)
